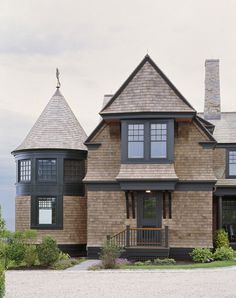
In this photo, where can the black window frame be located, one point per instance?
(48, 180)
(19, 171)
(147, 141)
(35, 213)
(228, 176)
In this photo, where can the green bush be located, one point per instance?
(224, 254)
(221, 239)
(15, 251)
(201, 255)
(166, 261)
(148, 262)
(139, 263)
(30, 255)
(109, 253)
(63, 256)
(48, 252)
(2, 281)
(64, 264)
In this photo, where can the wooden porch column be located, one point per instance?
(220, 212)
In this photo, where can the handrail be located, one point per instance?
(139, 237)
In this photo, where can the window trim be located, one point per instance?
(19, 171)
(35, 213)
(147, 141)
(228, 176)
(37, 167)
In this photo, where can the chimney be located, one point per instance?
(106, 98)
(212, 90)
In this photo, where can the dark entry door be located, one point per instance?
(149, 217)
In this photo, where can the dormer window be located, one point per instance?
(147, 141)
(232, 163)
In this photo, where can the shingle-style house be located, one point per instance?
(160, 177)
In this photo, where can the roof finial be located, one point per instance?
(57, 76)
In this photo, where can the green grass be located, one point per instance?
(216, 264)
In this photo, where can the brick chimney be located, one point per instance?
(212, 90)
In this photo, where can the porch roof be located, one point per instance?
(226, 183)
(144, 172)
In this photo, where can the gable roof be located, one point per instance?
(56, 128)
(225, 127)
(147, 90)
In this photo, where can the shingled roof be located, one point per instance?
(56, 128)
(147, 90)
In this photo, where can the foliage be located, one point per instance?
(166, 261)
(221, 239)
(201, 255)
(224, 254)
(109, 253)
(64, 264)
(25, 237)
(48, 252)
(15, 251)
(30, 255)
(148, 262)
(121, 261)
(139, 263)
(63, 256)
(2, 224)
(2, 281)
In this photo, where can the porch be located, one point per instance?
(142, 243)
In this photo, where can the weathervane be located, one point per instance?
(57, 76)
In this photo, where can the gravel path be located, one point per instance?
(85, 265)
(121, 284)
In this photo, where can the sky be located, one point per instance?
(96, 45)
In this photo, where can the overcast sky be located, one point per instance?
(96, 45)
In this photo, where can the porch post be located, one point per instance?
(127, 236)
(220, 212)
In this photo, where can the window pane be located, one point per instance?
(25, 170)
(135, 140)
(47, 169)
(158, 149)
(47, 210)
(232, 169)
(135, 150)
(232, 163)
(149, 208)
(74, 170)
(158, 136)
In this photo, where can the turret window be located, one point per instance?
(46, 211)
(25, 170)
(47, 169)
(74, 170)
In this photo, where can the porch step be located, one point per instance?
(146, 253)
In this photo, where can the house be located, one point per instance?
(160, 178)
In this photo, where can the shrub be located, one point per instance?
(164, 261)
(223, 254)
(30, 255)
(15, 251)
(2, 281)
(221, 239)
(121, 261)
(64, 264)
(201, 255)
(148, 262)
(48, 252)
(139, 263)
(63, 256)
(109, 253)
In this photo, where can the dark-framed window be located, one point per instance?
(229, 212)
(46, 169)
(158, 139)
(74, 170)
(135, 140)
(147, 141)
(231, 163)
(25, 170)
(47, 212)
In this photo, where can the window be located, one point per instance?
(46, 211)
(149, 208)
(147, 141)
(232, 163)
(229, 212)
(25, 170)
(158, 140)
(74, 170)
(135, 141)
(47, 169)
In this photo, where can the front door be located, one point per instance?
(149, 217)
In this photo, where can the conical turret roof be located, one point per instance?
(56, 128)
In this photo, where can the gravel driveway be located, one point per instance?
(114, 284)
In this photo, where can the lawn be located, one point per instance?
(216, 264)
